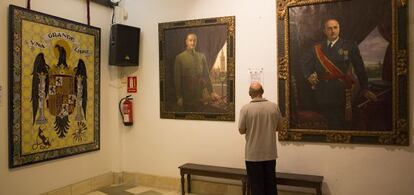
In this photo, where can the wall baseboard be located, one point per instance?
(199, 185)
(85, 186)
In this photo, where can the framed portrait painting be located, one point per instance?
(343, 71)
(54, 87)
(197, 64)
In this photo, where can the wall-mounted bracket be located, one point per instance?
(107, 3)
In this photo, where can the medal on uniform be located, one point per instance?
(346, 54)
(341, 52)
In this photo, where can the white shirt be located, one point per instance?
(333, 42)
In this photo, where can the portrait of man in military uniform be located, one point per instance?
(330, 69)
(192, 77)
(340, 66)
(197, 69)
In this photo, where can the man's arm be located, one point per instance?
(279, 117)
(242, 122)
(206, 73)
(359, 67)
(307, 62)
(177, 81)
(206, 77)
(358, 64)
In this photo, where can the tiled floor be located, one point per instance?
(133, 190)
(145, 190)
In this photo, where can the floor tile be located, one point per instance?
(147, 190)
(139, 189)
(151, 192)
(117, 190)
(96, 193)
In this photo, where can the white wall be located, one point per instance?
(43, 177)
(158, 146)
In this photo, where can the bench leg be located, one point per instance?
(188, 183)
(248, 188)
(319, 190)
(244, 187)
(182, 183)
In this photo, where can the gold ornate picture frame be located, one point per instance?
(354, 91)
(197, 82)
(54, 87)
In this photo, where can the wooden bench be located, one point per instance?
(300, 180)
(210, 171)
(290, 179)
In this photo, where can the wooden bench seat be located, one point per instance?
(290, 179)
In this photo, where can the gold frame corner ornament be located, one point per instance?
(402, 62)
(396, 138)
(338, 137)
(283, 135)
(282, 7)
(283, 67)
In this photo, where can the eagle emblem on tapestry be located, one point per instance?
(59, 88)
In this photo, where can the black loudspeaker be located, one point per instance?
(124, 45)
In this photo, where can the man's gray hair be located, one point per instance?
(258, 91)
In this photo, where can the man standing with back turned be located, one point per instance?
(259, 120)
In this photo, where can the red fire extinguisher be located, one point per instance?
(125, 108)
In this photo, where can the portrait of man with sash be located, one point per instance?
(343, 71)
(334, 69)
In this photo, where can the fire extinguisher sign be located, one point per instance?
(132, 84)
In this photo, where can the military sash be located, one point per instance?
(335, 73)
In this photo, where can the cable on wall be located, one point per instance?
(113, 14)
(88, 2)
(108, 3)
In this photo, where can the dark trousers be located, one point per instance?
(261, 177)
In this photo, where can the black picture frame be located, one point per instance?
(216, 44)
